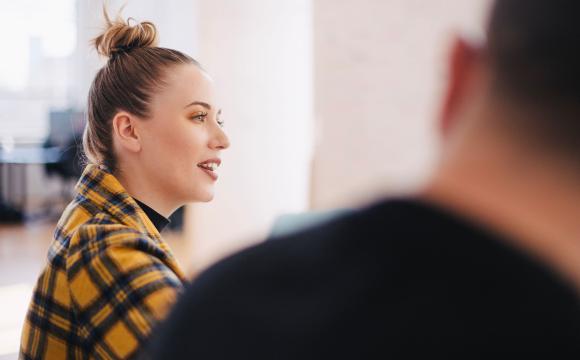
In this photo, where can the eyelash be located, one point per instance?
(202, 116)
(199, 116)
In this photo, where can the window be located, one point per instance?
(38, 39)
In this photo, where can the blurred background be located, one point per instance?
(328, 104)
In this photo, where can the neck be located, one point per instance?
(532, 201)
(136, 184)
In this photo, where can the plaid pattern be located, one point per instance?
(109, 278)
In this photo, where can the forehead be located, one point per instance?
(184, 84)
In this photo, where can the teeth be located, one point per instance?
(209, 166)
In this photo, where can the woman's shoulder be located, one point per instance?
(83, 225)
(103, 232)
(87, 235)
(103, 240)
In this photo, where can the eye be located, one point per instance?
(199, 116)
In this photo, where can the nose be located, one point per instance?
(219, 140)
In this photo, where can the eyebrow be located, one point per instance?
(201, 103)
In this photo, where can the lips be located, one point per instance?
(210, 166)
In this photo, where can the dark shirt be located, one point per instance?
(158, 220)
(395, 280)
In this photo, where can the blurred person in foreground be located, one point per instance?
(153, 141)
(485, 259)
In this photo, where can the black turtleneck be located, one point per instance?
(158, 220)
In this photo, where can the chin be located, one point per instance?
(199, 193)
(203, 197)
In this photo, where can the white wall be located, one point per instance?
(259, 53)
(378, 76)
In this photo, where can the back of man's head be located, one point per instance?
(533, 48)
(511, 117)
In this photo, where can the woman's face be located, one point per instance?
(183, 139)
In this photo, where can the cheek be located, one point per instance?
(177, 153)
(169, 135)
(191, 142)
(180, 146)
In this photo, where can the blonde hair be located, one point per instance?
(134, 71)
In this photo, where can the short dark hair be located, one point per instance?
(534, 51)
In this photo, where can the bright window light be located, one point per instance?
(52, 23)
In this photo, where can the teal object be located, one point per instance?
(290, 223)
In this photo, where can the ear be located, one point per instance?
(462, 62)
(125, 131)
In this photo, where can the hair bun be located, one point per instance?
(120, 36)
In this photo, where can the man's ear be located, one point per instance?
(462, 65)
(125, 131)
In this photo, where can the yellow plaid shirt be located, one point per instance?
(109, 278)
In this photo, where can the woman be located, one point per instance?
(153, 140)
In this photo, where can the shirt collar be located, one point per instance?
(158, 220)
